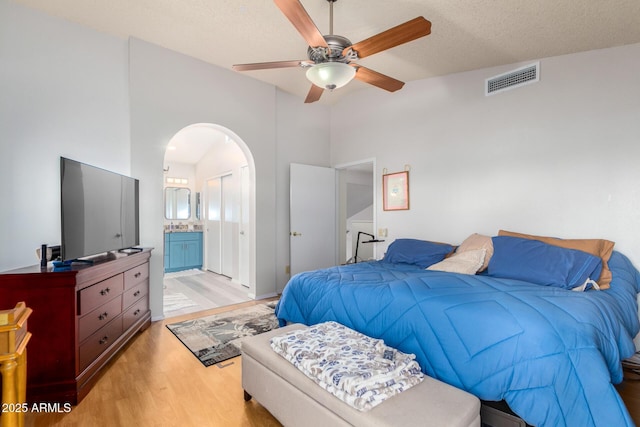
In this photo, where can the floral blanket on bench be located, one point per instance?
(359, 370)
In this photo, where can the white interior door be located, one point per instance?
(243, 254)
(312, 217)
(228, 250)
(213, 224)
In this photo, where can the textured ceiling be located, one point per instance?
(466, 34)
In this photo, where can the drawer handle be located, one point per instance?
(104, 291)
(135, 313)
(138, 274)
(136, 293)
(103, 316)
(104, 339)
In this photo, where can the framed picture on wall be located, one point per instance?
(395, 191)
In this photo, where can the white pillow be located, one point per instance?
(468, 262)
(478, 241)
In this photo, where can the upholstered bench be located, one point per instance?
(296, 400)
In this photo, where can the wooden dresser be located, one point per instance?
(81, 319)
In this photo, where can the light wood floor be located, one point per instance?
(156, 381)
(196, 290)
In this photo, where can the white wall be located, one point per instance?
(220, 159)
(71, 91)
(302, 137)
(559, 157)
(63, 92)
(170, 91)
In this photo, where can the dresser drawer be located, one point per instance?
(99, 317)
(134, 313)
(136, 275)
(96, 295)
(99, 341)
(134, 294)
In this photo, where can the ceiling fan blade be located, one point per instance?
(403, 33)
(314, 94)
(300, 19)
(375, 78)
(269, 65)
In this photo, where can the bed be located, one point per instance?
(552, 353)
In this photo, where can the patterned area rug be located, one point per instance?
(216, 338)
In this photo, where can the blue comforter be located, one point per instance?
(552, 354)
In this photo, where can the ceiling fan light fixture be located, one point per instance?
(331, 75)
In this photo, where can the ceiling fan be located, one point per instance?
(330, 64)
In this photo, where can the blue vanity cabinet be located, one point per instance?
(182, 251)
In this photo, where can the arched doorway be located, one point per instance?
(213, 169)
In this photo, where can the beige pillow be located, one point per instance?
(478, 241)
(598, 247)
(468, 262)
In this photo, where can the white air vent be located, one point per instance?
(513, 79)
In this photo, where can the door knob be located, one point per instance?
(295, 234)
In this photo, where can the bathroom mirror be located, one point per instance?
(177, 203)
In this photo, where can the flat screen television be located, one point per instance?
(100, 210)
